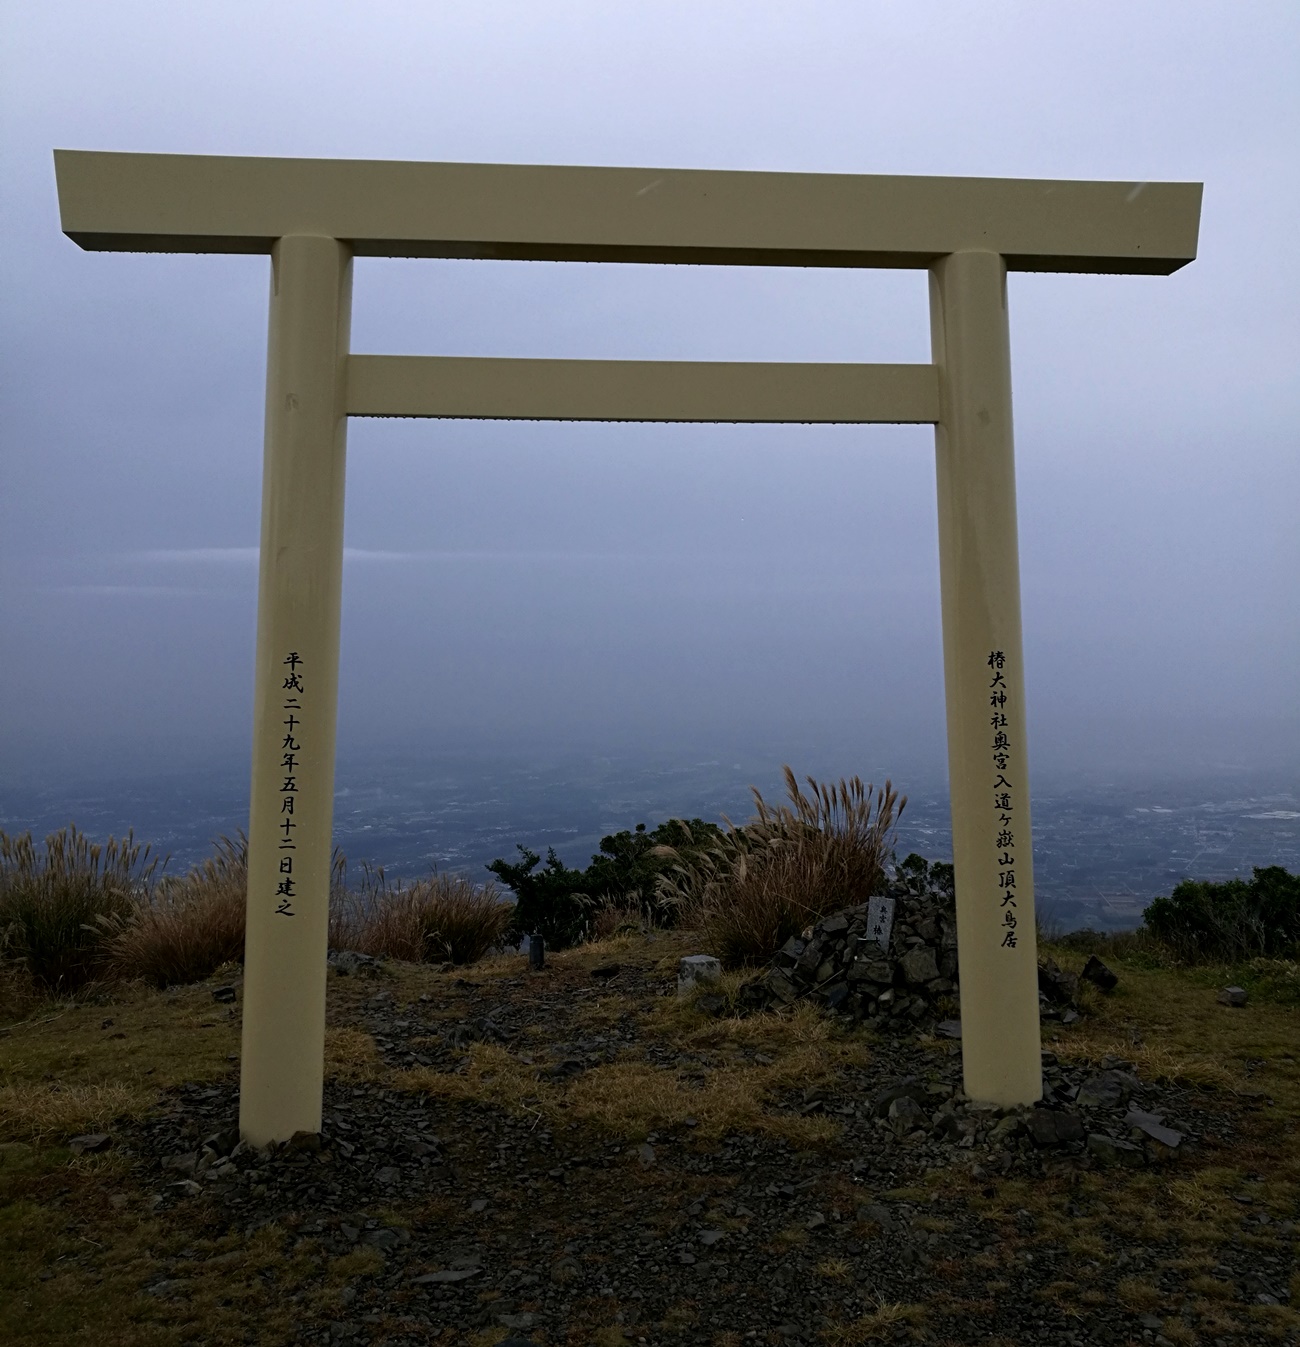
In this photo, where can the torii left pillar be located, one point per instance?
(300, 587)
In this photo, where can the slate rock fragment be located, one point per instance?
(1052, 1127)
(1099, 975)
(1105, 1089)
(1152, 1125)
(1112, 1151)
(90, 1143)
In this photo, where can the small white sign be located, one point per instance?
(880, 920)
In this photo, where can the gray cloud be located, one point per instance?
(576, 583)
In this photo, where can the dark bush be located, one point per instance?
(563, 905)
(927, 879)
(1210, 922)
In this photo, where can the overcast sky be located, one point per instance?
(692, 587)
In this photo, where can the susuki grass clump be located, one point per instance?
(442, 918)
(76, 913)
(187, 927)
(762, 883)
(59, 906)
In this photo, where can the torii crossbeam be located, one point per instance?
(314, 215)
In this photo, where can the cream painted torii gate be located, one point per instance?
(314, 215)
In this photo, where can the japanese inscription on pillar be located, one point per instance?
(1004, 772)
(290, 762)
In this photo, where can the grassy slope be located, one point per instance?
(79, 1242)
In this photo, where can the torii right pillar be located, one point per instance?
(979, 573)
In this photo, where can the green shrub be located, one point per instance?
(565, 905)
(58, 908)
(1212, 922)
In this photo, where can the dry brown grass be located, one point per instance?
(444, 917)
(888, 1320)
(34, 1110)
(631, 1099)
(612, 920)
(764, 882)
(351, 1054)
(187, 928)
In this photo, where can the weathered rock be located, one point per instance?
(1111, 1151)
(1048, 1127)
(1152, 1125)
(1106, 1089)
(352, 963)
(782, 988)
(911, 1088)
(90, 1143)
(225, 994)
(919, 966)
(868, 969)
(446, 1277)
(1233, 996)
(906, 1115)
(1099, 975)
(788, 955)
(1060, 988)
(221, 1143)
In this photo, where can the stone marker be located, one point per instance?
(536, 953)
(1233, 996)
(697, 970)
(880, 920)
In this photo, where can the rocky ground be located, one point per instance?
(874, 1203)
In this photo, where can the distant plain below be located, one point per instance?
(1102, 850)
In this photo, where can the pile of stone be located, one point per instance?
(893, 960)
(889, 960)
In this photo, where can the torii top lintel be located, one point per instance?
(380, 208)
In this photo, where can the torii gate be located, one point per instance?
(314, 215)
